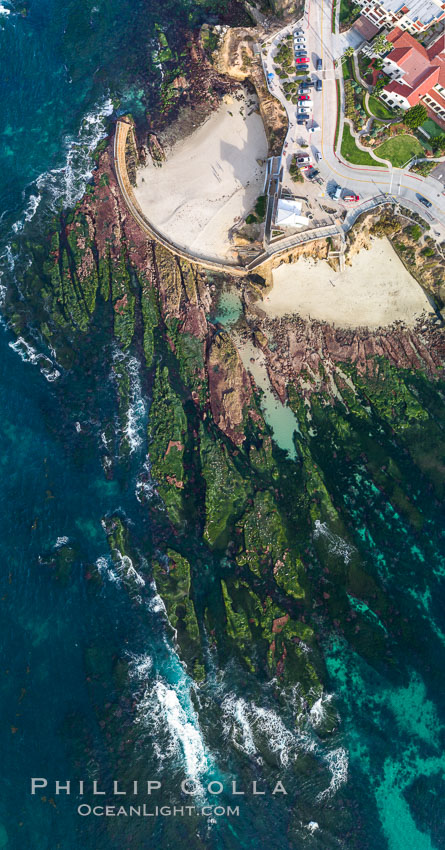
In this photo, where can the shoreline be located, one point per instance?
(375, 291)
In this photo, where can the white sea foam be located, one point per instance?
(145, 486)
(125, 568)
(249, 727)
(312, 826)
(29, 355)
(137, 409)
(106, 571)
(61, 541)
(63, 186)
(156, 604)
(177, 726)
(338, 764)
(29, 212)
(318, 711)
(140, 666)
(67, 184)
(236, 724)
(4, 10)
(336, 544)
(134, 428)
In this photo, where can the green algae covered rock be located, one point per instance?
(266, 637)
(168, 431)
(150, 319)
(226, 491)
(173, 583)
(266, 548)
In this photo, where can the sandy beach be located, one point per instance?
(374, 291)
(208, 181)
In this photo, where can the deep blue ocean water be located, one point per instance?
(65, 638)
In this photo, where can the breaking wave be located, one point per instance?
(336, 544)
(338, 764)
(29, 355)
(254, 730)
(176, 726)
(133, 430)
(64, 186)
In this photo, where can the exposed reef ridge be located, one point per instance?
(239, 557)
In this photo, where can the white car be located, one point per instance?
(314, 129)
(318, 156)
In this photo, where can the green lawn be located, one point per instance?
(400, 149)
(378, 108)
(432, 128)
(351, 152)
(346, 68)
(337, 126)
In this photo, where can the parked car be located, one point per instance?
(424, 201)
(301, 60)
(319, 65)
(314, 129)
(301, 120)
(335, 193)
(304, 97)
(351, 197)
(298, 32)
(318, 85)
(312, 173)
(302, 158)
(301, 53)
(299, 39)
(318, 156)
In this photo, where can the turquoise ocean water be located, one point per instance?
(69, 708)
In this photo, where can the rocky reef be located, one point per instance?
(253, 554)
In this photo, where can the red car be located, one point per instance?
(304, 97)
(301, 60)
(350, 197)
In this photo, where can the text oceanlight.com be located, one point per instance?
(157, 811)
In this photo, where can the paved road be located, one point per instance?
(370, 183)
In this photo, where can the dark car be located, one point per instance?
(312, 173)
(318, 85)
(424, 201)
(301, 121)
(319, 65)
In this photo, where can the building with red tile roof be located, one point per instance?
(417, 74)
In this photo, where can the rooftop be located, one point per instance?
(423, 11)
(422, 69)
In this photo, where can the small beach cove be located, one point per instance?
(374, 291)
(209, 180)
